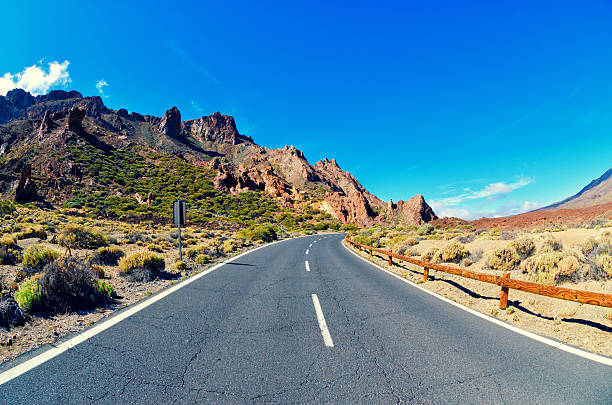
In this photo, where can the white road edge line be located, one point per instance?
(307, 266)
(36, 361)
(307, 250)
(559, 345)
(322, 324)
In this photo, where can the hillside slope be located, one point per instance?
(63, 148)
(598, 191)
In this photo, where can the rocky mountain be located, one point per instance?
(62, 147)
(598, 191)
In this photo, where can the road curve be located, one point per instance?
(251, 332)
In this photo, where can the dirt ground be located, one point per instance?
(586, 326)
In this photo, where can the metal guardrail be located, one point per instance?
(504, 281)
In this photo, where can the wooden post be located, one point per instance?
(390, 261)
(425, 274)
(503, 297)
(370, 252)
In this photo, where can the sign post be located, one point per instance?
(180, 218)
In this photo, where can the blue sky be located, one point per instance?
(485, 108)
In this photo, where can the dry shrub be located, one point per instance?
(588, 245)
(143, 266)
(475, 255)
(551, 245)
(35, 231)
(229, 246)
(37, 257)
(107, 256)
(568, 268)
(466, 238)
(604, 263)
(69, 284)
(524, 247)
(551, 267)
(454, 252)
(80, 237)
(504, 259)
(431, 254)
(9, 250)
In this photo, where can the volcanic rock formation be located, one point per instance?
(61, 118)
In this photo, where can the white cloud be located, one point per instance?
(35, 80)
(197, 107)
(100, 84)
(530, 205)
(454, 206)
(491, 190)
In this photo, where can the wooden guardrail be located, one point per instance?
(504, 281)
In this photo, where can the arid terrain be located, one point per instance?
(566, 257)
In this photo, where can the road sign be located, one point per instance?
(180, 212)
(180, 218)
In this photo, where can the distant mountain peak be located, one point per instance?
(598, 191)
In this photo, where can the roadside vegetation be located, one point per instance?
(537, 255)
(55, 263)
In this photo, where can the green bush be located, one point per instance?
(80, 237)
(201, 259)
(180, 265)
(264, 233)
(35, 231)
(143, 266)
(29, 295)
(37, 257)
(107, 256)
(105, 288)
(193, 252)
(7, 207)
(425, 229)
(8, 249)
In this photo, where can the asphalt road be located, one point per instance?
(249, 332)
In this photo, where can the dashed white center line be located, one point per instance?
(322, 324)
(307, 250)
(307, 266)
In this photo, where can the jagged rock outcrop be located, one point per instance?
(414, 211)
(340, 180)
(74, 120)
(240, 164)
(170, 123)
(352, 208)
(26, 189)
(47, 124)
(215, 128)
(242, 178)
